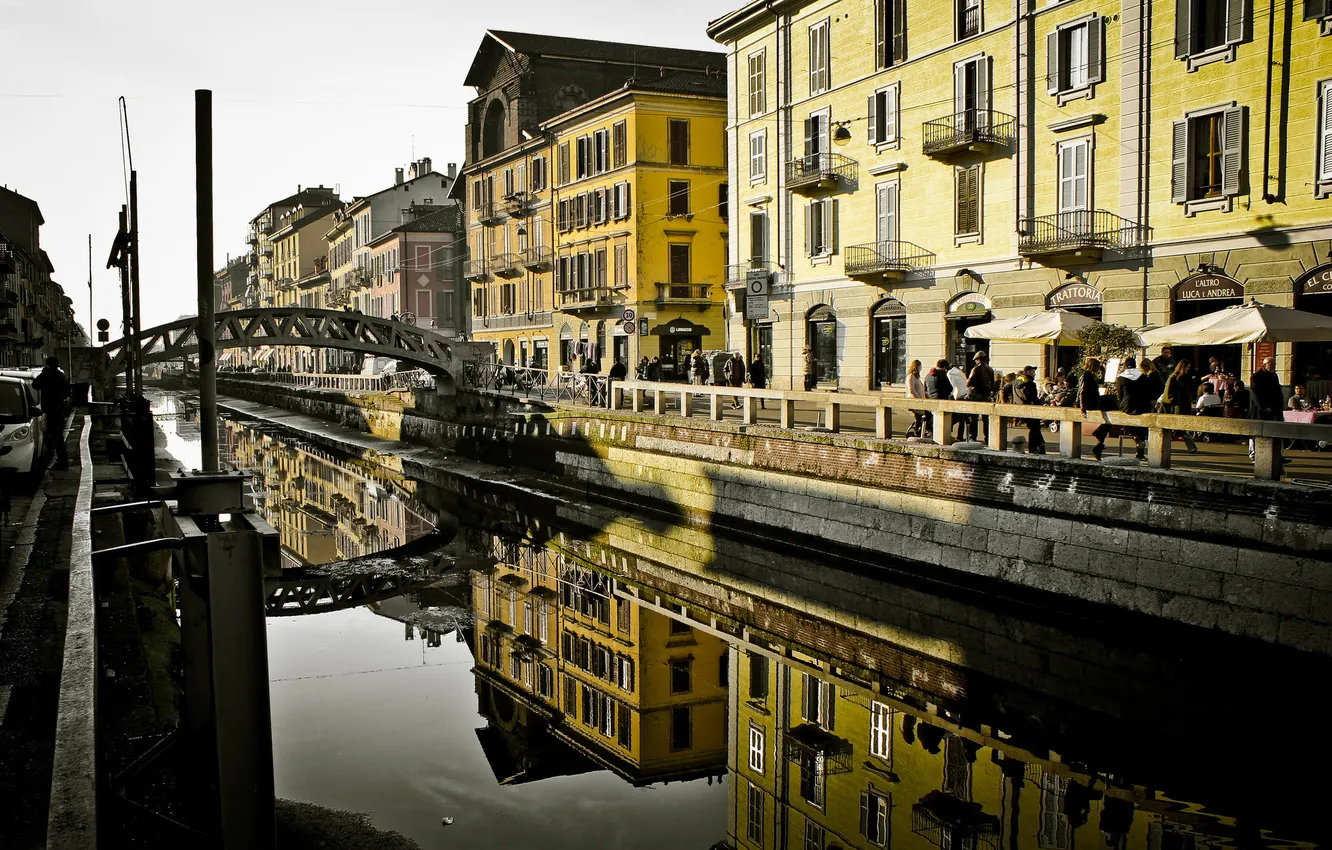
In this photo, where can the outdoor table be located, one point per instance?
(1307, 417)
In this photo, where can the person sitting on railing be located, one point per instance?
(1025, 392)
(915, 388)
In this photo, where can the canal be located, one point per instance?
(519, 669)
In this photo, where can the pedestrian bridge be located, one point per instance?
(300, 326)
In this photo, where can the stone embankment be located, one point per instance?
(1246, 557)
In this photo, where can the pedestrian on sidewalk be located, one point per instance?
(1089, 398)
(1027, 392)
(811, 376)
(758, 377)
(54, 388)
(698, 367)
(1175, 398)
(981, 386)
(1130, 389)
(916, 389)
(734, 370)
(1268, 399)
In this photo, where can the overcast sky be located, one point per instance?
(306, 92)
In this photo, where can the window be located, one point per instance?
(601, 154)
(538, 176)
(483, 589)
(515, 666)
(1056, 832)
(813, 778)
(968, 18)
(527, 674)
(968, 216)
(513, 607)
(682, 731)
(622, 606)
(754, 815)
(874, 806)
(680, 271)
(679, 141)
(756, 749)
(682, 675)
(562, 154)
(819, 700)
(724, 201)
(677, 197)
(1206, 154)
(890, 25)
(1074, 175)
(621, 208)
(583, 158)
(971, 91)
(883, 116)
(758, 676)
(758, 83)
(821, 227)
(1209, 28)
(570, 697)
(819, 60)
(622, 279)
(625, 738)
(758, 156)
(814, 836)
(677, 627)
(543, 622)
(1073, 56)
(885, 216)
(621, 143)
(624, 673)
(527, 618)
(545, 681)
(507, 179)
(724, 671)
(1324, 184)
(881, 731)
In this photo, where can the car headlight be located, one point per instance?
(19, 434)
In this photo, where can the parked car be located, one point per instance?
(21, 422)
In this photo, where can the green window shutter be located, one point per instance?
(1237, 20)
(1232, 150)
(1315, 9)
(1182, 28)
(1095, 43)
(1325, 133)
(1179, 163)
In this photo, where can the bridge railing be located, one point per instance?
(413, 379)
(527, 382)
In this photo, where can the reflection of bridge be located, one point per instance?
(317, 594)
(298, 326)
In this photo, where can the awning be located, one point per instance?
(1252, 322)
(1051, 327)
(680, 327)
(264, 354)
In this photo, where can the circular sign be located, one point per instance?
(630, 326)
(1316, 281)
(1208, 287)
(629, 316)
(758, 286)
(103, 325)
(407, 318)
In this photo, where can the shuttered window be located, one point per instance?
(883, 116)
(874, 806)
(754, 815)
(563, 165)
(1204, 26)
(890, 29)
(756, 749)
(758, 241)
(758, 83)
(679, 141)
(1325, 133)
(885, 223)
(677, 197)
(1074, 175)
(819, 60)
(821, 227)
(1207, 155)
(621, 265)
(621, 143)
(967, 219)
(1074, 55)
(680, 272)
(758, 156)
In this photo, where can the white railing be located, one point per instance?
(413, 379)
(526, 382)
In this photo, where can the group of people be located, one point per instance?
(736, 372)
(948, 381)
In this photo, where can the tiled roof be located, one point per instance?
(445, 220)
(647, 56)
(681, 83)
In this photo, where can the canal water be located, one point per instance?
(491, 667)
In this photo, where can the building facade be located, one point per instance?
(571, 219)
(908, 171)
(36, 317)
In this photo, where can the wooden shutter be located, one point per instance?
(1232, 150)
(873, 118)
(1325, 133)
(564, 163)
(758, 226)
(959, 88)
(1095, 49)
(1315, 9)
(628, 201)
(680, 263)
(825, 55)
(1182, 28)
(621, 144)
(813, 59)
(882, 21)
(811, 130)
(809, 229)
(886, 213)
(865, 814)
(983, 85)
(1052, 63)
(889, 120)
(830, 224)
(1179, 163)
(899, 54)
(1237, 20)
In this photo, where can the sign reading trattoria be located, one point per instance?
(1207, 287)
(1316, 281)
(1075, 295)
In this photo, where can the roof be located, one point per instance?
(681, 82)
(10, 196)
(445, 220)
(648, 56)
(359, 202)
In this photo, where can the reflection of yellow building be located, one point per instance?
(623, 686)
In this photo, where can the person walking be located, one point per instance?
(53, 385)
(1027, 392)
(1089, 399)
(758, 377)
(916, 389)
(811, 374)
(1268, 399)
(1175, 399)
(734, 370)
(981, 387)
(966, 422)
(654, 369)
(699, 368)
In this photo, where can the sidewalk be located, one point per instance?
(34, 582)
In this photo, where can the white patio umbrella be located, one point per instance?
(1049, 327)
(1252, 322)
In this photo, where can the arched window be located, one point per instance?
(821, 336)
(888, 330)
(492, 134)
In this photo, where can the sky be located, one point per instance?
(305, 93)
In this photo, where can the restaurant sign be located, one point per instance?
(969, 303)
(1075, 295)
(1207, 287)
(1317, 281)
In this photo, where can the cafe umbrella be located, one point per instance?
(1246, 323)
(1049, 327)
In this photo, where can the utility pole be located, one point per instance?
(127, 320)
(134, 281)
(203, 200)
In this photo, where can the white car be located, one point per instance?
(21, 423)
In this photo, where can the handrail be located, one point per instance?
(1073, 229)
(817, 167)
(968, 127)
(890, 255)
(408, 379)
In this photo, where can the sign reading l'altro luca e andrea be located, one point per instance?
(1205, 287)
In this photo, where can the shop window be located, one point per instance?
(822, 339)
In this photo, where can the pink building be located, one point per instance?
(414, 270)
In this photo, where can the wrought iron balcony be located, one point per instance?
(888, 261)
(266, 249)
(1084, 234)
(737, 276)
(505, 265)
(967, 130)
(683, 293)
(821, 171)
(517, 202)
(947, 821)
(475, 270)
(586, 298)
(536, 258)
(810, 742)
(490, 212)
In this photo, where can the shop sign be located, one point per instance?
(1075, 295)
(969, 303)
(1317, 281)
(756, 295)
(1208, 287)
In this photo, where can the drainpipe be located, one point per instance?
(1268, 197)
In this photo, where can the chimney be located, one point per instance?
(453, 170)
(425, 165)
(413, 171)
(397, 177)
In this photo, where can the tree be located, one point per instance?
(1104, 340)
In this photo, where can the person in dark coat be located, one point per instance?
(1028, 393)
(1176, 397)
(937, 384)
(1089, 399)
(758, 377)
(734, 370)
(698, 366)
(981, 386)
(618, 371)
(654, 369)
(1267, 398)
(53, 385)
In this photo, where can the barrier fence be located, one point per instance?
(408, 380)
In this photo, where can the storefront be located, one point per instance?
(1197, 296)
(541, 353)
(1083, 299)
(888, 336)
(680, 338)
(965, 311)
(760, 345)
(1313, 291)
(821, 335)
(568, 348)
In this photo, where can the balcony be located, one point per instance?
(886, 262)
(536, 258)
(491, 213)
(517, 203)
(8, 298)
(683, 294)
(817, 171)
(505, 265)
(737, 276)
(969, 130)
(809, 742)
(534, 319)
(947, 821)
(266, 250)
(8, 264)
(1080, 236)
(586, 298)
(475, 270)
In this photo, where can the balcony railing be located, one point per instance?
(947, 821)
(474, 269)
(737, 276)
(536, 258)
(1078, 231)
(586, 298)
(821, 171)
(534, 319)
(683, 293)
(517, 202)
(968, 128)
(490, 212)
(505, 265)
(892, 258)
(266, 249)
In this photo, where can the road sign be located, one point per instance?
(629, 315)
(756, 295)
(642, 326)
(630, 327)
(407, 318)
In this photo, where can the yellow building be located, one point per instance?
(300, 271)
(596, 202)
(904, 177)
